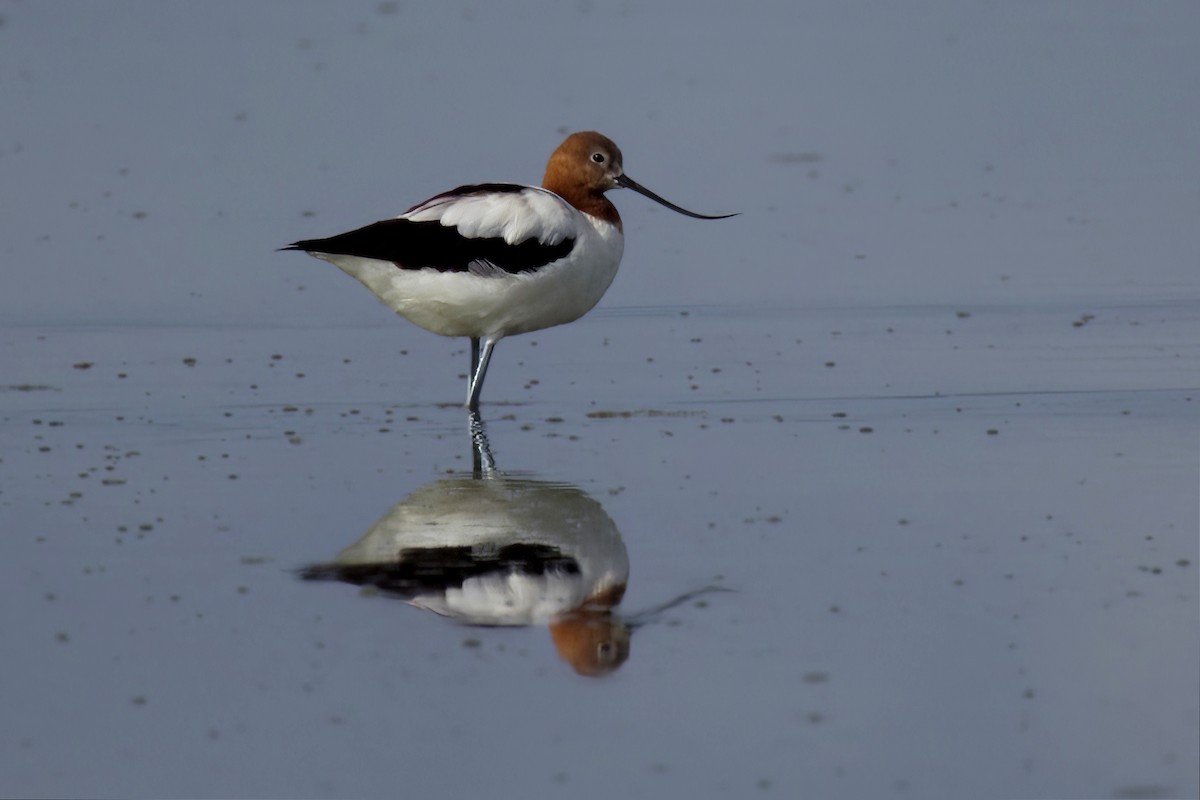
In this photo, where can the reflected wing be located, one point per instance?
(425, 569)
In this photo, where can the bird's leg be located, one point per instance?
(471, 372)
(476, 385)
(481, 450)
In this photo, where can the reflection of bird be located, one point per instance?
(496, 259)
(592, 640)
(502, 551)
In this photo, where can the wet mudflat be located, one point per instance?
(887, 487)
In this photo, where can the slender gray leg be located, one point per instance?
(476, 385)
(481, 450)
(474, 367)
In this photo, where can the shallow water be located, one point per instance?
(885, 488)
(944, 572)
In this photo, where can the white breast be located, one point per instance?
(492, 303)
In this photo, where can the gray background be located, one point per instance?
(928, 407)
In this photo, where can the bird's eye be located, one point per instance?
(598, 158)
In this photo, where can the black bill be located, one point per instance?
(629, 183)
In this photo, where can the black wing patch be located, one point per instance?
(431, 245)
(440, 568)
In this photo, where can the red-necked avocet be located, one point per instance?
(496, 259)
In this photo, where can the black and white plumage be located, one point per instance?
(492, 260)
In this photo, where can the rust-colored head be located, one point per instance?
(582, 169)
(585, 166)
(593, 641)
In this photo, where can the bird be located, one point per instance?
(492, 260)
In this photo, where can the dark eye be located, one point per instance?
(598, 158)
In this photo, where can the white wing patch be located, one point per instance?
(531, 213)
(485, 269)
